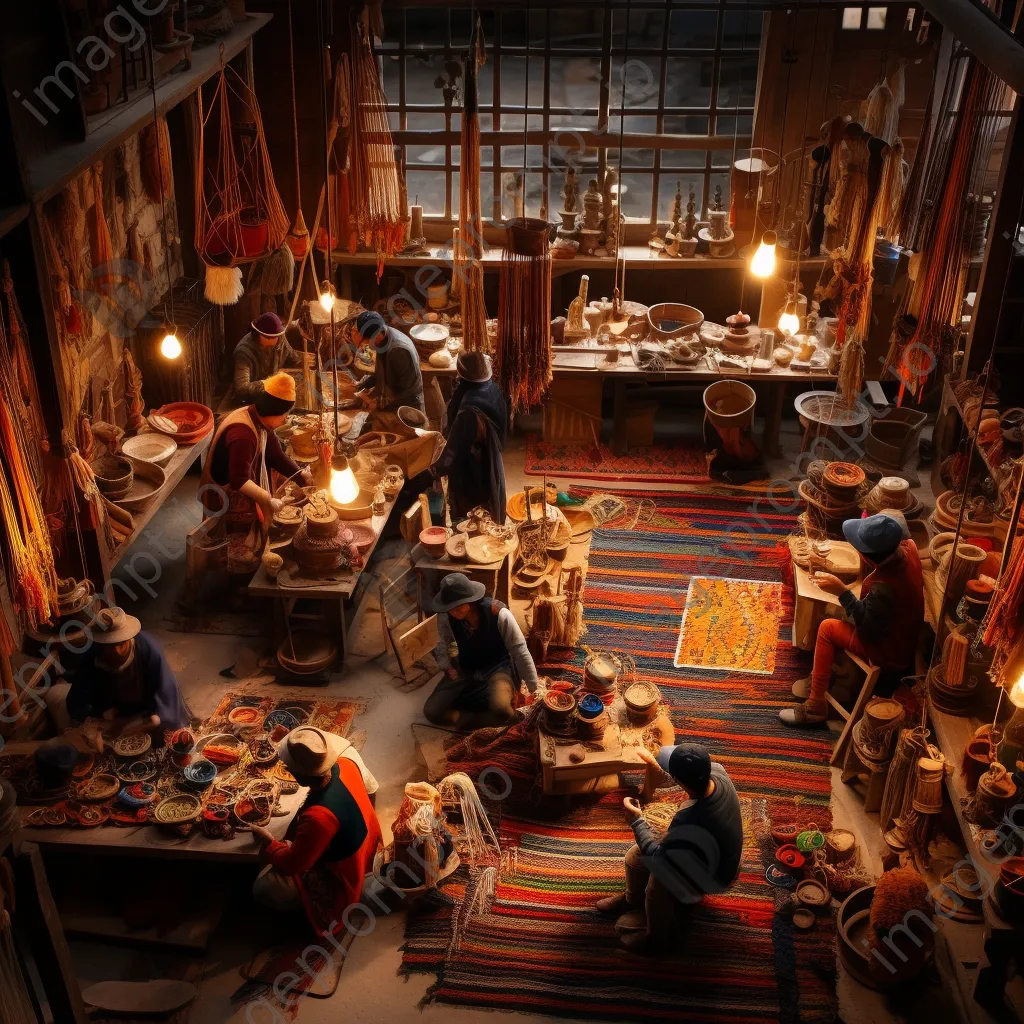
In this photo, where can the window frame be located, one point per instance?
(602, 140)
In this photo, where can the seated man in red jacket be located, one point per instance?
(331, 842)
(882, 627)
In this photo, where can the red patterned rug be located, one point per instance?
(539, 946)
(683, 463)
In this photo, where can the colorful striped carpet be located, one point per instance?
(540, 947)
(683, 462)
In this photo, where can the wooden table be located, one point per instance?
(148, 840)
(493, 575)
(560, 777)
(177, 466)
(337, 587)
(587, 387)
(811, 605)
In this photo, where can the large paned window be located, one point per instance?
(663, 91)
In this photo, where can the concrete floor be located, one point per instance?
(370, 989)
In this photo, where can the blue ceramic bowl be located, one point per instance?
(590, 706)
(148, 791)
(200, 773)
(281, 717)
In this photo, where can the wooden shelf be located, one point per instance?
(176, 468)
(49, 172)
(637, 257)
(950, 401)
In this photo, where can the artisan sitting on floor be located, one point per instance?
(883, 625)
(332, 840)
(699, 854)
(124, 685)
(493, 659)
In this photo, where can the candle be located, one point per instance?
(416, 219)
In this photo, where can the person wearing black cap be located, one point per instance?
(476, 432)
(494, 660)
(235, 483)
(698, 855)
(396, 379)
(259, 355)
(883, 625)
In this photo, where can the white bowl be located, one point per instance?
(154, 448)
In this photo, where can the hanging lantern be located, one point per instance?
(170, 347)
(789, 322)
(763, 262)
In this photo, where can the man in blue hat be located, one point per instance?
(699, 854)
(882, 626)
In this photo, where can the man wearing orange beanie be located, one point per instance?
(236, 475)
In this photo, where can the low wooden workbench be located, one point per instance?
(811, 604)
(624, 373)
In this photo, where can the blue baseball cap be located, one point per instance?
(688, 763)
(876, 535)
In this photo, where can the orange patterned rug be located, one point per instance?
(730, 624)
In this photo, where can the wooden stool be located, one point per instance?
(856, 765)
(851, 718)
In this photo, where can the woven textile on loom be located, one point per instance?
(540, 947)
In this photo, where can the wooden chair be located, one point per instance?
(853, 716)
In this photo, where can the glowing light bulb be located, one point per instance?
(789, 322)
(344, 486)
(327, 300)
(170, 347)
(763, 263)
(1017, 693)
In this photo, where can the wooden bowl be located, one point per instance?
(147, 482)
(153, 448)
(114, 476)
(193, 420)
(313, 652)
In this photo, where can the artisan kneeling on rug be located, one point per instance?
(700, 853)
(493, 659)
(124, 685)
(883, 625)
(330, 845)
(236, 483)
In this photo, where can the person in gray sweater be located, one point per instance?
(259, 355)
(699, 854)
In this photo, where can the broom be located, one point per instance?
(274, 274)
(297, 238)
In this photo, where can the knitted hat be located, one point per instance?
(269, 325)
(371, 327)
(474, 367)
(277, 396)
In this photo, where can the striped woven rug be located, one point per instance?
(540, 947)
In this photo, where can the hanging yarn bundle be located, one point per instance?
(101, 249)
(945, 235)
(478, 836)
(33, 575)
(155, 160)
(375, 189)
(469, 270)
(239, 214)
(524, 314)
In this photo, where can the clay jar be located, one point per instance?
(318, 544)
(977, 757)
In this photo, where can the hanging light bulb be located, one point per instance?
(789, 322)
(170, 347)
(327, 296)
(763, 263)
(344, 486)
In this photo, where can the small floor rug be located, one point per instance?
(540, 947)
(730, 624)
(682, 463)
(329, 715)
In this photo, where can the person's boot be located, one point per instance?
(612, 904)
(802, 687)
(814, 711)
(638, 942)
(631, 921)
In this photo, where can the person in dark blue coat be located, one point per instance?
(123, 686)
(476, 432)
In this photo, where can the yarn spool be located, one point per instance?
(840, 845)
(842, 479)
(928, 786)
(883, 716)
(641, 700)
(954, 658)
(601, 673)
(961, 564)
(559, 707)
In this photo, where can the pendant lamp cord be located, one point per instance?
(160, 174)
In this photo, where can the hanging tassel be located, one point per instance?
(274, 274)
(223, 285)
(100, 247)
(298, 236)
(155, 161)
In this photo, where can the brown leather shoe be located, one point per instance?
(638, 942)
(612, 905)
(632, 921)
(805, 715)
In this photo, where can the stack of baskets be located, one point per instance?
(832, 491)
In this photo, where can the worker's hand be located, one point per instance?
(829, 583)
(632, 809)
(647, 757)
(92, 733)
(307, 477)
(261, 834)
(273, 505)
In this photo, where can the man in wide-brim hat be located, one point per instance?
(882, 626)
(328, 850)
(476, 430)
(259, 355)
(493, 659)
(123, 685)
